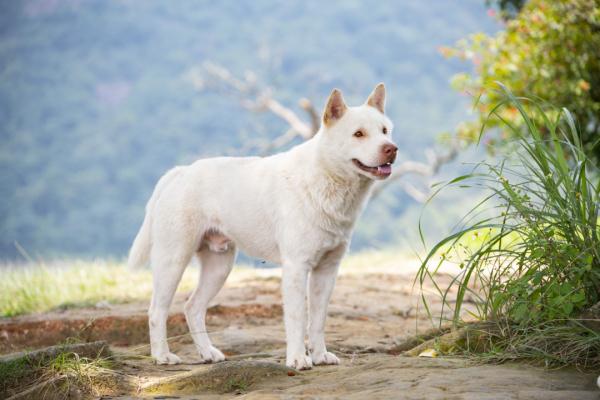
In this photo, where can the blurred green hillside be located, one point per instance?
(95, 100)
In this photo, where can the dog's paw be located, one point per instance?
(299, 362)
(325, 358)
(167, 358)
(211, 355)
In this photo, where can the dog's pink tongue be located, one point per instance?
(384, 169)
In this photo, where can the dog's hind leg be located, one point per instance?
(167, 267)
(215, 267)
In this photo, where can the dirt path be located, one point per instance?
(371, 311)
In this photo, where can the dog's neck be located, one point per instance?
(339, 192)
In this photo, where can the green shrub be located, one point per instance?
(550, 50)
(537, 267)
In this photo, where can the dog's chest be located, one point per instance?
(335, 209)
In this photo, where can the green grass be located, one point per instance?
(79, 372)
(553, 343)
(40, 288)
(13, 372)
(71, 370)
(238, 385)
(536, 269)
(32, 288)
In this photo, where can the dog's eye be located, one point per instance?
(359, 134)
(384, 130)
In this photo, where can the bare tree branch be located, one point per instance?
(258, 98)
(413, 192)
(315, 117)
(302, 128)
(434, 162)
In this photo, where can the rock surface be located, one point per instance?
(373, 309)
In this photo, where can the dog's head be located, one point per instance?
(359, 139)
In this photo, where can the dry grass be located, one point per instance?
(42, 287)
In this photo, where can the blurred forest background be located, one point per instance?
(99, 98)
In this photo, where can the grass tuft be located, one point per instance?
(59, 370)
(535, 269)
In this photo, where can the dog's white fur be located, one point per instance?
(295, 208)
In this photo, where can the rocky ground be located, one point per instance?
(373, 309)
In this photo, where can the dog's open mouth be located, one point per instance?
(380, 171)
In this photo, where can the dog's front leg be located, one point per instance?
(322, 281)
(293, 287)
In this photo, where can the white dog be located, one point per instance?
(295, 208)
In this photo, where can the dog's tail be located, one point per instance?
(140, 250)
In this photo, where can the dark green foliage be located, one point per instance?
(548, 51)
(508, 8)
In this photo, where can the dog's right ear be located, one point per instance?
(335, 108)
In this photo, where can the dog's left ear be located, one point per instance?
(377, 98)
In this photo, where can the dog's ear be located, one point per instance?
(335, 108)
(377, 98)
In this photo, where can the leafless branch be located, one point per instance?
(289, 116)
(260, 99)
(427, 170)
(315, 117)
(410, 189)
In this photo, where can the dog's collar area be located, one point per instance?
(382, 171)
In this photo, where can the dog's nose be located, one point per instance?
(389, 149)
